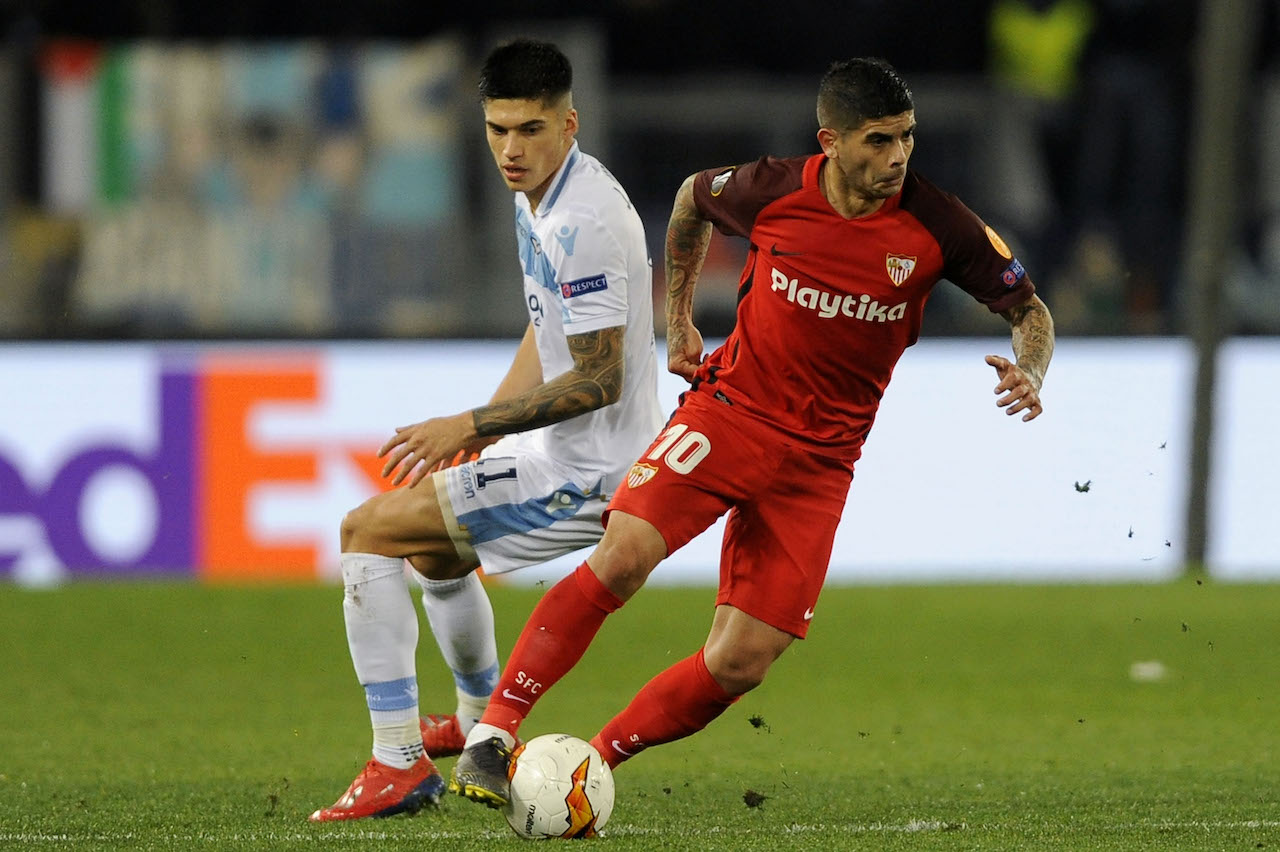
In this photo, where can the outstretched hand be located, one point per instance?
(1021, 391)
(421, 448)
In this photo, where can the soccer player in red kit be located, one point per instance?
(845, 247)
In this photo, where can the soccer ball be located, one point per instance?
(560, 787)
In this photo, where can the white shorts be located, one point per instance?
(516, 506)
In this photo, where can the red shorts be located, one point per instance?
(784, 504)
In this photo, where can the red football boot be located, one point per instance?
(381, 791)
(442, 736)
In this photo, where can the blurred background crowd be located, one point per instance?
(245, 170)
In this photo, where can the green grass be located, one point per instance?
(168, 716)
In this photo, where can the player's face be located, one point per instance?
(529, 140)
(872, 158)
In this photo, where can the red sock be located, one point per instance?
(680, 701)
(554, 638)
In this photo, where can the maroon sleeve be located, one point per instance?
(731, 197)
(974, 256)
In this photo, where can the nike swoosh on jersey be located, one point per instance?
(808, 614)
(617, 745)
(506, 693)
(777, 252)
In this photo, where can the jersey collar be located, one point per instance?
(558, 181)
(809, 180)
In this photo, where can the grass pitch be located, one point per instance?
(163, 716)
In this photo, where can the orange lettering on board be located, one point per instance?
(371, 466)
(230, 466)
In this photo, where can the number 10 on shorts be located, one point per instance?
(680, 448)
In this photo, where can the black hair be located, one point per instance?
(526, 70)
(855, 90)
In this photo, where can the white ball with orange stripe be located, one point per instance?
(560, 787)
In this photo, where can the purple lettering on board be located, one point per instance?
(169, 470)
(15, 499)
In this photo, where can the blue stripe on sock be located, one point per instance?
(480, 684)
(399, 694)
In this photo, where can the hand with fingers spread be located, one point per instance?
(1021, 390)
(421, 448)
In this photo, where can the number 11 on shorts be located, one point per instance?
(682, 449)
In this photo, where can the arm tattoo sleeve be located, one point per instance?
(688, 235)
(594, 382)
(1032, 328)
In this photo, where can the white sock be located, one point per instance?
(482, 732)
(461, 619)
(397, 737)
(382, 633)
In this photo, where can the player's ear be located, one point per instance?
(827, 139)
(571, 123)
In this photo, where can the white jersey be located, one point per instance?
(586, 267)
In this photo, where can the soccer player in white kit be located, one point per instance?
(577, 407)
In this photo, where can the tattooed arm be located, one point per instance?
(525, 373)
(1020, 382)
(688, 236)
(594, 381)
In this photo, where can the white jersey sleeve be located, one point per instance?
(591, 271)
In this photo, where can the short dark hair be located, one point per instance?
(855, 90)
(526, 70)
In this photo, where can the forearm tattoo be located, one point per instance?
(1032, 328)
(688, 236)
(594, 382)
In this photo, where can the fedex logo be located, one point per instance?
(56, 503)
(829, 305)
(207, 486)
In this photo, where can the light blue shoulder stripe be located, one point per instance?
(532, 257)
(550, 201)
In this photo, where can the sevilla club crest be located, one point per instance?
(639, 474)
(899, 267)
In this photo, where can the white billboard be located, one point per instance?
(236, 462)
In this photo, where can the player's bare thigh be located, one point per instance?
(741, 648)
(408, 523)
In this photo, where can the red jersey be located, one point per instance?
(827, 305)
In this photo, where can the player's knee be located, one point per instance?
(349, 528)
(628, 553)
(441, 565)
(621, 573)
(738, 670)
(358, 530)
(740, 658)
(621, 567)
